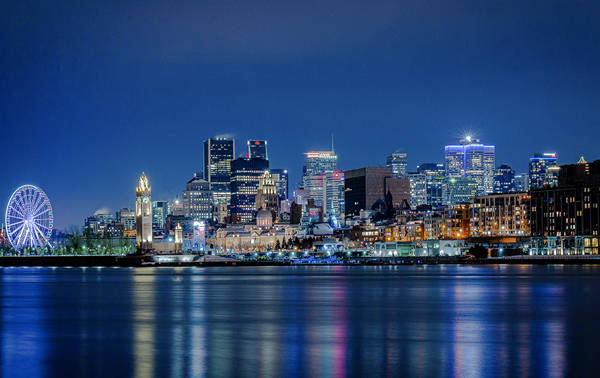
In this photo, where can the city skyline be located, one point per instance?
(522, 77)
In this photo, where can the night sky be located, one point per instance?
(94, 94)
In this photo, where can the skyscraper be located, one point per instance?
(397, 162)
(160, 210)
(320, 167)
(504, 179)
(543, 170)
(197, 199)
(366, 186)
(281, 181)
(418, 189)
(460, 190)
(256, 149)
(218, 154)
(522, 182)
(245, 176)
(474, 160)
(434, 182)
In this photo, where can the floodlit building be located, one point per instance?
(282, 182)
(143, 212)
(434, 182)
(474, 160)
(418, 189)
(126, 217)
(197, 199)
(543, 170)
(504, 179)
(257, 149)
(565, 219)
(266, 194)
(500, 215)
(457, 224)
(397, 162)
(218, 154)
(160, 210)
(245, 177)
(460, 190)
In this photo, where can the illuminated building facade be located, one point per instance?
(434, 182)
(418, 189)
(500, 215)
(197, 199)
(565, 219)
(504, 179)
(522, 182)
(282, 182)
(245, 177)
(473, 160)
(319, 162)
(257, 149)
(126, 217)
(457, 224)
(459, 190)
(266, 194)
(543, 170)
(397, 162)
(160, 210)
(143, 213)
(218, 154)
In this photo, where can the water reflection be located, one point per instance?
(300, 321)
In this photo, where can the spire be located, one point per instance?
(582, 160)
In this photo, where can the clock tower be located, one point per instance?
(143, 215)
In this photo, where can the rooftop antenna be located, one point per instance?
(332, 142)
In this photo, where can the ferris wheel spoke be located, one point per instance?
(15, 233)
(38, 214)
(15, 224)
(19, 235)
(39, 234)
(18, 202)
(36, 205)
(14, 209)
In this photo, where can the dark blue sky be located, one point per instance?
(92, 94)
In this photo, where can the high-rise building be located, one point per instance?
(281, 181)
(218, 154)
(319, 162)
(257, 149)
(266, 194)
(320, 168)
(126, 217)
(543, 170)
(460, 190)
(160, 210)
(434, 182)
(474, 160)
(397, 162)
(245, 176)
(522, 182)
(197, 199)
(143, 213)
(418, 189)
(504, 179)
(565, 219)
(366, 186)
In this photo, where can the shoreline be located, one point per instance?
(147, 261)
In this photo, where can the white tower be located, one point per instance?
(143, 215)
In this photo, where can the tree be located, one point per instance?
(277, 245)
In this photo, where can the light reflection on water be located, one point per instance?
(305, 321)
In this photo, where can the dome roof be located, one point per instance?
(263, 214)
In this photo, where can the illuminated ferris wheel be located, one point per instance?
(29, 218)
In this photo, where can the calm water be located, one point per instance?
(309, 321)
